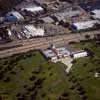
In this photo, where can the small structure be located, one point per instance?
(49, 54)
(78, 54)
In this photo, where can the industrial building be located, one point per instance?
(61, 52)
(56, 54)
(14, 15)
(29, 5)
(63, 15)
(96, 14)
(49, 54)
(31, 31)
(44, 2)
(78, 54)
(90, 6)
(84, 25)
(33, 8)
(47, 20)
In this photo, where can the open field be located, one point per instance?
(84, 70)
(30, 77)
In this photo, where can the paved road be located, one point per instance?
(40, 43)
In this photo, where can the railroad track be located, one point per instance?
(40, 43)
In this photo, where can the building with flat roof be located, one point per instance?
(49, 54)
(61, 52)
(84, 25)
(95, 14)
(44, 2)
(67, 13)
(78, 54)
(15, 14)
(31, 30)
(29, 5)
(57, 54)
(33, 8)
(47, 20)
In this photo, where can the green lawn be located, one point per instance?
(30, 77)
(84, 70)
(20, 69)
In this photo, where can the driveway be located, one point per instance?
(67, 61)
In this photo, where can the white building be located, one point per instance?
(50, 55)
(33, 8)
(95, 14)
(84, 25)
(79, 54)
(30, 30)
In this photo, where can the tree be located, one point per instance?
(39, 82)
(7, 79)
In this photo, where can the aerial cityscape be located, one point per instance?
(49, 49)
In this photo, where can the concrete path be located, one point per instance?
(67, 61)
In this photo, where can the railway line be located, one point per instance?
(40, 43)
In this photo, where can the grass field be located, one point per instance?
(84, 70)
(30, 77)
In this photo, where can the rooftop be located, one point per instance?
(49, 53)
(63, 51)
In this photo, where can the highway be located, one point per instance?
(41, 43)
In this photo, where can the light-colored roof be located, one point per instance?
(66, 14)
(96, 17)
(30, 30)
(85, 24)
(33, 9)
(80, 51)
(49, 53)
(16, 14)
(63, 51)
(96, 11)
(47, 20)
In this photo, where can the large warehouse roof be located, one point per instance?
(33, 9)
(84, 25)
(66, 14)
